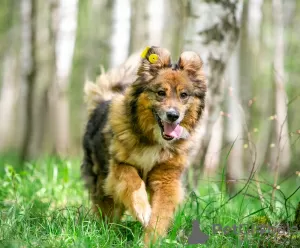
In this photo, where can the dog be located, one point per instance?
(142, 126)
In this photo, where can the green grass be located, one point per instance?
(45, 205)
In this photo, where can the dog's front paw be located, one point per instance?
(140, 207)
(150, 237)
(142, 212)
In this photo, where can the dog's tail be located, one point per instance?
(110, 83)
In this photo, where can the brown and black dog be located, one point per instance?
(139, 137)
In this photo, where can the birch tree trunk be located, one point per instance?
(155, 10)
(283, 152)
(147, 23)
(256, 66)
(8, 100)
(212, 158)
(212, 30)
(254, 23)
(175, 15)
(236, 121)
(250, 49)
(138, 25)
(65, 42)
(121, 31)
(9, 81)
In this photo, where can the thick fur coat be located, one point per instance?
(143, 122)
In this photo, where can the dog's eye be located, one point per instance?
(161, 93)
(183, 95)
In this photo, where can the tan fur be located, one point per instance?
(140, 159)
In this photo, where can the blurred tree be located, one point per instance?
(175, 15)
(156, 23)
(138, 25)
(29, 20)
(53, 21)
(9, 83)
(282, 155)
(156, 14)
(100, 30)
(92, 50)
(120, 32)
(212, 30)
(65, 42)
(8, 98)
(46, 66)
(39, 73)
(254, 70)
(292, 54)
(235, 121)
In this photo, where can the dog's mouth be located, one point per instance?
(169, 131)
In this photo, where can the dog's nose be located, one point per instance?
(172, 115)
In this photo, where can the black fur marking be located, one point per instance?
(175, 67)
(138, 89)
(94, 142)
(119, 87)
(200, 93)
(199, 111)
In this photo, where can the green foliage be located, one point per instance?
(46, 205)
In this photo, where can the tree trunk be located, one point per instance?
(212, 158)
(148, 18)
(92, 50)
(49, 136)
(65, 30)
(138, 25)
(282, 143)
(235, 122)
(29, 17)
(121, 31)
(254, 22)
(175, 13)
(212, 30)
(155, 10)
(98, 41)
(8, 100)
(10, 76)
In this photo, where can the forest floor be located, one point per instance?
(44, 204)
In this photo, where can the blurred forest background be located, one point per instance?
(251, 51)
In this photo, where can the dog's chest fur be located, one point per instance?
(147, 157)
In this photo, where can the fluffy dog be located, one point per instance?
(142, 127)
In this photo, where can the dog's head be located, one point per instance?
(171, 94)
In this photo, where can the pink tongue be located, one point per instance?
(173, 130)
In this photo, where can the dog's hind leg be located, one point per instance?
(126, 187)
(105, 205)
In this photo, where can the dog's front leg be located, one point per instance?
(126, 187)
(166, 193)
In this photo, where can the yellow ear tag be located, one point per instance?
(153, 58)
(144, 53)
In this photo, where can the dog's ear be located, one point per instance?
(192, 64)
(153, 60)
